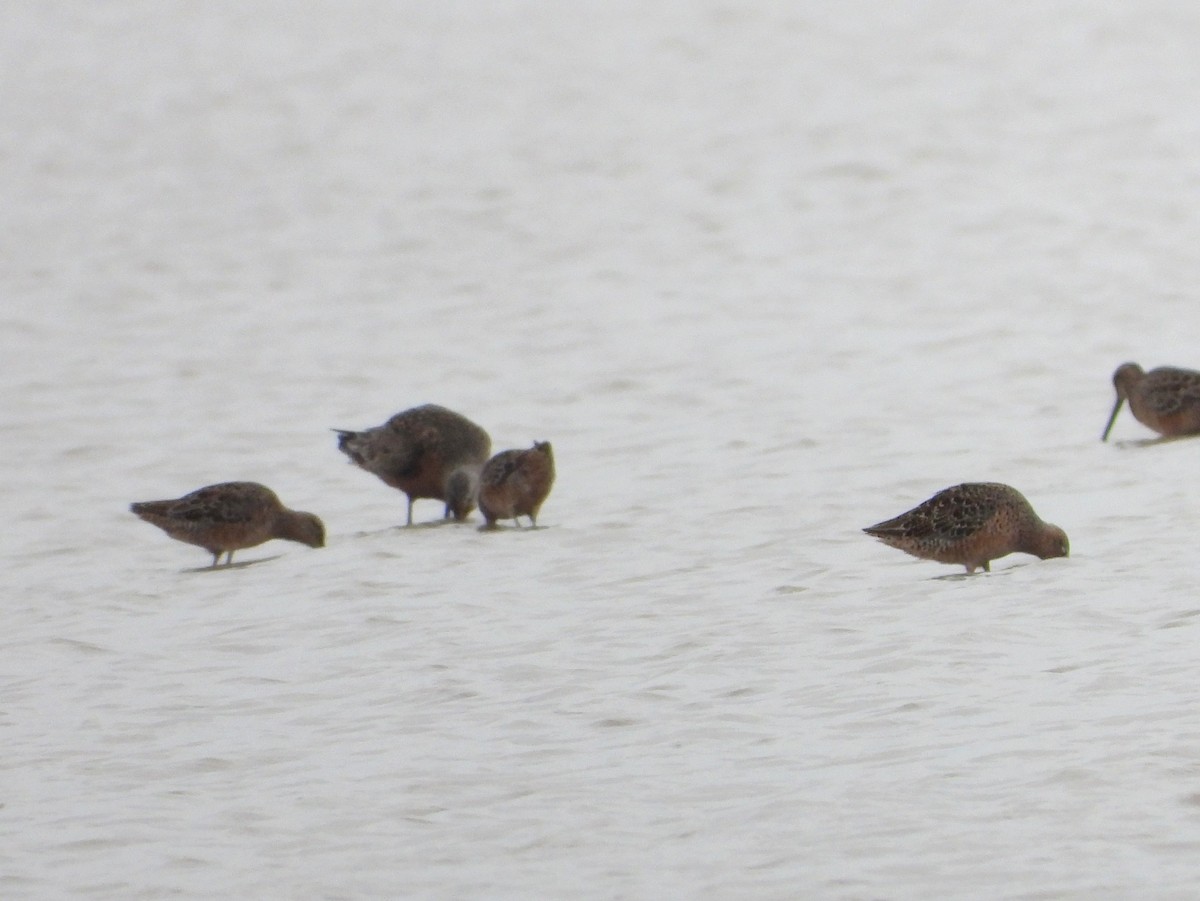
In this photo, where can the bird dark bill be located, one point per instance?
(1112, 418)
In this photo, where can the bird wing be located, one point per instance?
(948, 514)
(218, 504)
(1169, 390)
(395, 452)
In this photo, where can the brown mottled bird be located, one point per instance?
(515, 483)
(427, 451)
(1165, 399)
(972, 524)
(230, 516)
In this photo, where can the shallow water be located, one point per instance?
(764, 275)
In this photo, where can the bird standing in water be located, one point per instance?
(427, 451)
(230, 516)
(516, 483)
(972, 524)
(1165, 399)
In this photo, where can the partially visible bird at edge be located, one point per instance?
(1166, 399)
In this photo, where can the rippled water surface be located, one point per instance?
(764, 273)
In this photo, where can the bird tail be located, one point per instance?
(350, 443)
(149, 510)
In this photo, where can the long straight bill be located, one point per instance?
(1113, 418)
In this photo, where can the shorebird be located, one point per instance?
(427, 451)
(462, 491)
(515, 483)
(230, 516)
(972, 524)
(1165, 399)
